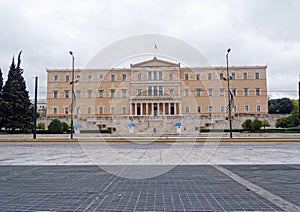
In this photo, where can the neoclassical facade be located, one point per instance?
(157, 88)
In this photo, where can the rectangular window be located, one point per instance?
(101, 77)
(171, 76)
(90, 78)
(171, 92)
(221, 76)
(234, 108)
(199, 109)
(160, 75)
(67, 78)
(149, 91)
(55, 94)
(124, 77)
(78, 110)
(55, 110)
(198, 76)
(78, 78)
(139, 76)
(245, 75)
(187, 109)
(78, 94)
(112, 93)
(155, 91)
(257, 75)
(257, 91)
(124, 92)
(149, 75)
(112, 78)
(246, 91)
(124, 110)
(89, 110)
(209, 76)
(155, 75)
(222, 91)
(67, 94)
(101, 93)
(186, 92)
(210, 109)
(258, 108)
(222, 109)
(161, 90)
(101, 110)
(210, 92)
(233, 75)
(55, 78)
(139, 92)
(198, 92)
(234, 91)
(112, 110)
(186, 76)
(246, 108)
(90, 93)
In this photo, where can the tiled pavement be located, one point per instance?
(183, 188)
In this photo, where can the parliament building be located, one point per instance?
(156, 95)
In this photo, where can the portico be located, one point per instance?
(146, 107)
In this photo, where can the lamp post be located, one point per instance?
(72, 104)
(229, 97)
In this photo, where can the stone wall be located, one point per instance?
(166, 124)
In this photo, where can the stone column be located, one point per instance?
(175, 109)
(147, 109)
(135, 108)
(169, 108)
(152, 109)
(179, 105)
(158, 108)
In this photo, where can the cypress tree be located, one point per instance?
(1, 100)
(18, 114)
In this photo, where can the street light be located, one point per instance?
(72, 104)
(229, 96)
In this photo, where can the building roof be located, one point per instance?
(155, 63)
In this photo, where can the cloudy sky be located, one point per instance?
(259, 32)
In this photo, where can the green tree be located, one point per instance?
(256, 125)
(16, 103)
(41, 126)
(265, 123)
(65, 127)
(247, 125)
(280, 106)
(1, 100)
(55, 126)
(282, 122)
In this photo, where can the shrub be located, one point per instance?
(247, 125)
(256, 125)
(41, 126)
(55, 126)
(65, 127)
(282, 122)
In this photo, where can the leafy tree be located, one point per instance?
(1, 100)
(65, 127)
(16, 103)
(282, 122)
(256, 125)
(280, 106)
(55, 126)
(41, 126)
(247, 125)
(265, 123)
